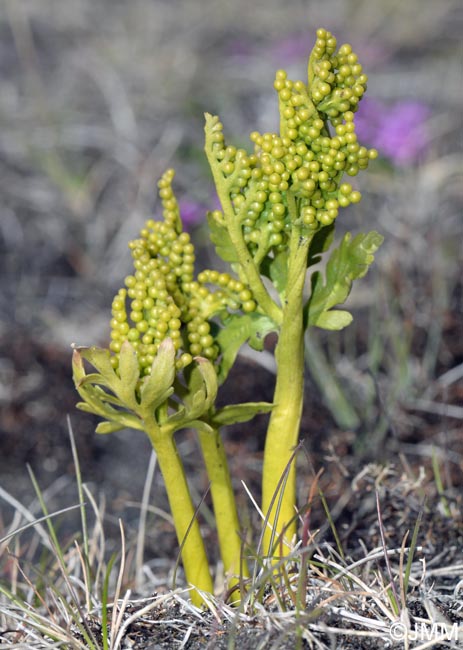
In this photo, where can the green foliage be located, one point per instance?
(96, 399)
(219, 236)
(276, 269)
(319, 244)
(157, 387)
(347, 263)
(234, 413)
(238, 329)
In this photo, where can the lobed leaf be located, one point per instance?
(122, 385)
(200, 393)
(237, 330)
(93, 378)
(96, 400)
(78, 370)
(335, 319)
(348, 262)
(129, 369)
(221, 239)
(93, 401)
(108, 427)
(101, 360)
(157, 386)
(209, 377)
(239, 412)
(320, 243)
(276, 268)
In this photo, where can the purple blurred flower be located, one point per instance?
(194, 213)
(398, 131)
(285, 51)
(241, 48)
(292, 48)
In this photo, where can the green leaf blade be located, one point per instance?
(129, 369)
(336, 319)
(235, 413)
(348, 262)
(101, 360)
(219, 236)
(157, 386)
(209, 377)
(276, 269)
(237, 330)
(108, 427)
(320, 243)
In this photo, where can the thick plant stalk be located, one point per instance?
(224, 503)
(194, 558)
(284, 425)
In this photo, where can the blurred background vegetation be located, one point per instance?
(99, 97)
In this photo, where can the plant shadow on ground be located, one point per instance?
(80, 155)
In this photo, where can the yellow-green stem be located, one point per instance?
(233, 224)
(194, 556)
(246, 261)
(226, 515)
(283, 429)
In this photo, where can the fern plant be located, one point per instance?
(175, 335)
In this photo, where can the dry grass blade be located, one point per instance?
(35, 524)
(22, 510)
(83, 512)
(37, 626)
(396, 600)
(116, 615)
(144, 508)
(277, 499)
